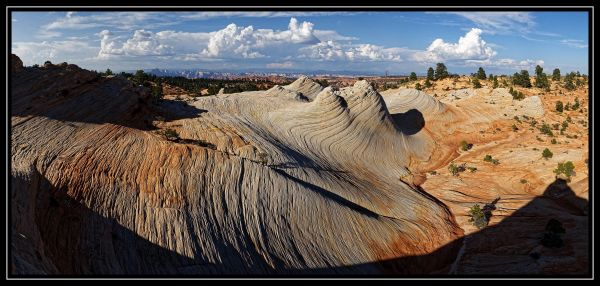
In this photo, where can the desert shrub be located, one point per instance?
(488, 158)
(170, 134)
(413, 76)
(476, 83)
(553, 234)
(522, 79)
(517, 95)
(545, 129)
(428, 83)
(157, 91)
(565, 168)
(477, 217)
(575, 105)
(555, 126)
(559, 106)
(453, 169)
(472, 169)
(262, 158)
(418, 86)
(523, 181)
(514, 128)
(547, 153)
(465, 146)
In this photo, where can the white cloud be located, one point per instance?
(574, 43)
(114, 20)
(331, 50)
(500, 22)
(235, 41)
(469, 47)
(328, 50)
(55, 51)
(143, 43)
(286, 64)
(331, 35)
(257, 14)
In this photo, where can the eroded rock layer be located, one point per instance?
(278, 185)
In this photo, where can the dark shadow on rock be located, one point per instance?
(512, 247)
(77, 95)
(409, 122)
(79, 241)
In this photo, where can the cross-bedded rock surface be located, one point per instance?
(298, 179)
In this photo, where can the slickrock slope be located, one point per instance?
(523, 182)
(297, 179)
(257, 183)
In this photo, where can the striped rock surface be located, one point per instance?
(297, 179)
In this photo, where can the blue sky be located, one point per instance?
(397, 42)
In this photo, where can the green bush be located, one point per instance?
(565, 168)
(413, 76)
(488, 158)
(522, 79)
(465, 146)
(476, 83)
(170, 134)
(545, 129)
(478, 218)
(547, 153)
(559, 106)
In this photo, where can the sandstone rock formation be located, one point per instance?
(298, 179)
(289, 186)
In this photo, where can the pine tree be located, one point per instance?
(441, 72)
(556, 75)
(430, 73)
(480, 74)
(413, 76)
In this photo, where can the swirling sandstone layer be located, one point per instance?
(300, 180)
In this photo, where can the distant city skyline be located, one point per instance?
(369, 42)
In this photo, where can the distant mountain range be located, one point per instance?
(198, 73)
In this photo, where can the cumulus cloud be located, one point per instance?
(143, 43)
(469, 47)
(331, 50)
(246, 42)
(328, 50)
